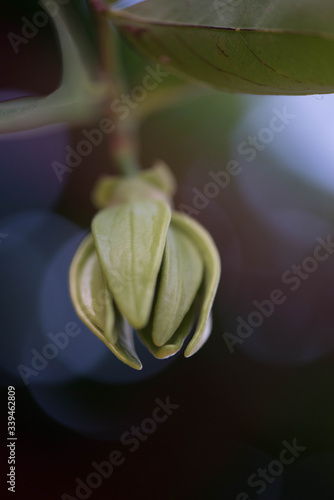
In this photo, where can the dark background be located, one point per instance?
(235, 410)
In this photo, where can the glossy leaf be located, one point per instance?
(129, 240)
(80, 96)
(181, 275)
(258, 47)
(171, 90)
(91, 301)
(209, 253)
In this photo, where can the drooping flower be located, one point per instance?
(144, 267)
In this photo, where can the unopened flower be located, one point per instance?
(144, 267)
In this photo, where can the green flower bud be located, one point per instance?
(144, 267)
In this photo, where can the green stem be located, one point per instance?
(123, 142)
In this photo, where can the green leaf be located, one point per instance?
(110, 330)
(181, 275)
(130, 240)
(93, 304)
(258, 47)
(80, 96)
(170, 91)
(209, 253)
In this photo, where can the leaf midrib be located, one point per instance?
(175, 24)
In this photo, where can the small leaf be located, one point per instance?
(161, 177)
(80, 96)
(129, 240)
(91, 299)
(209, 253)
(181, 275)
(104, 189)
(258, 47)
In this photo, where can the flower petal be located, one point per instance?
(92, 301)
(124, 349)
(129, 240)
(206, 246)
(180, 278)
(175, 343)
(87, 287)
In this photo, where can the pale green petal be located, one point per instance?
(175, 343)
(181, 275)
(206, 246)
(87, 286)
(109, 328)
(124, 349)
(92, 302)
(129, 240)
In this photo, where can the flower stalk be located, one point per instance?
(123, 147)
